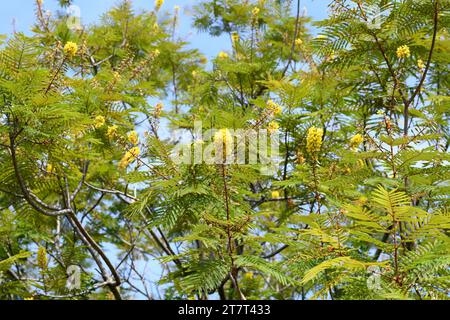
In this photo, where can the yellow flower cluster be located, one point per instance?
(223, 55)
(356, 140)
(129, 157)
(158, 4)
(158, 109)
(42, 261)
(99, 122)
(50, 168)
(248, 275)
(274, 108)
(298, 42)
(273, 126)
(255, 11)
(116, 76)
(420, 64)
(403, 52)
(235, 37)
(275, 194)
(70, 49)
(300, 158)
(111, 132)
(314, 141)
(133, 138)
(223, 136)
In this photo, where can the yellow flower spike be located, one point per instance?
(99, 122)
(223, 55)
(255, 11)
(70, 49)
(314, 141)
(50, 168)
(356, 140)
(223, 136)
(300, 158)
(42, 260)
(298, 42)
(403, 52)
(235, 37)
(111, 132)
(275, 194)
(158, 109)
(158, 4)
(133, 137)
(248, 275)
(273, 126)
(116, 76)
(30, 298)
(129, 157)
(274, 108)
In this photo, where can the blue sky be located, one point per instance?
(20, 13)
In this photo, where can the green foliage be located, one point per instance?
(357, 208)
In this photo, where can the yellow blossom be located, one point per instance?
(42, 261)
(50, 168)
(158, 109)
(274, 108)
(255, 11)
(111, 132)
(99, 122)
(314, 141)
(129, 157)
(300, 158)
(223, 136)
(248, 275)
(356, 140)
(403, 52)
(70, 49)
(273, 126)
(30, 298)
(223, 55)
(298, 42)
(235, 37)
(275, 194)
(133, 137)
(158, 4)
(156, 27)
(420, 64)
